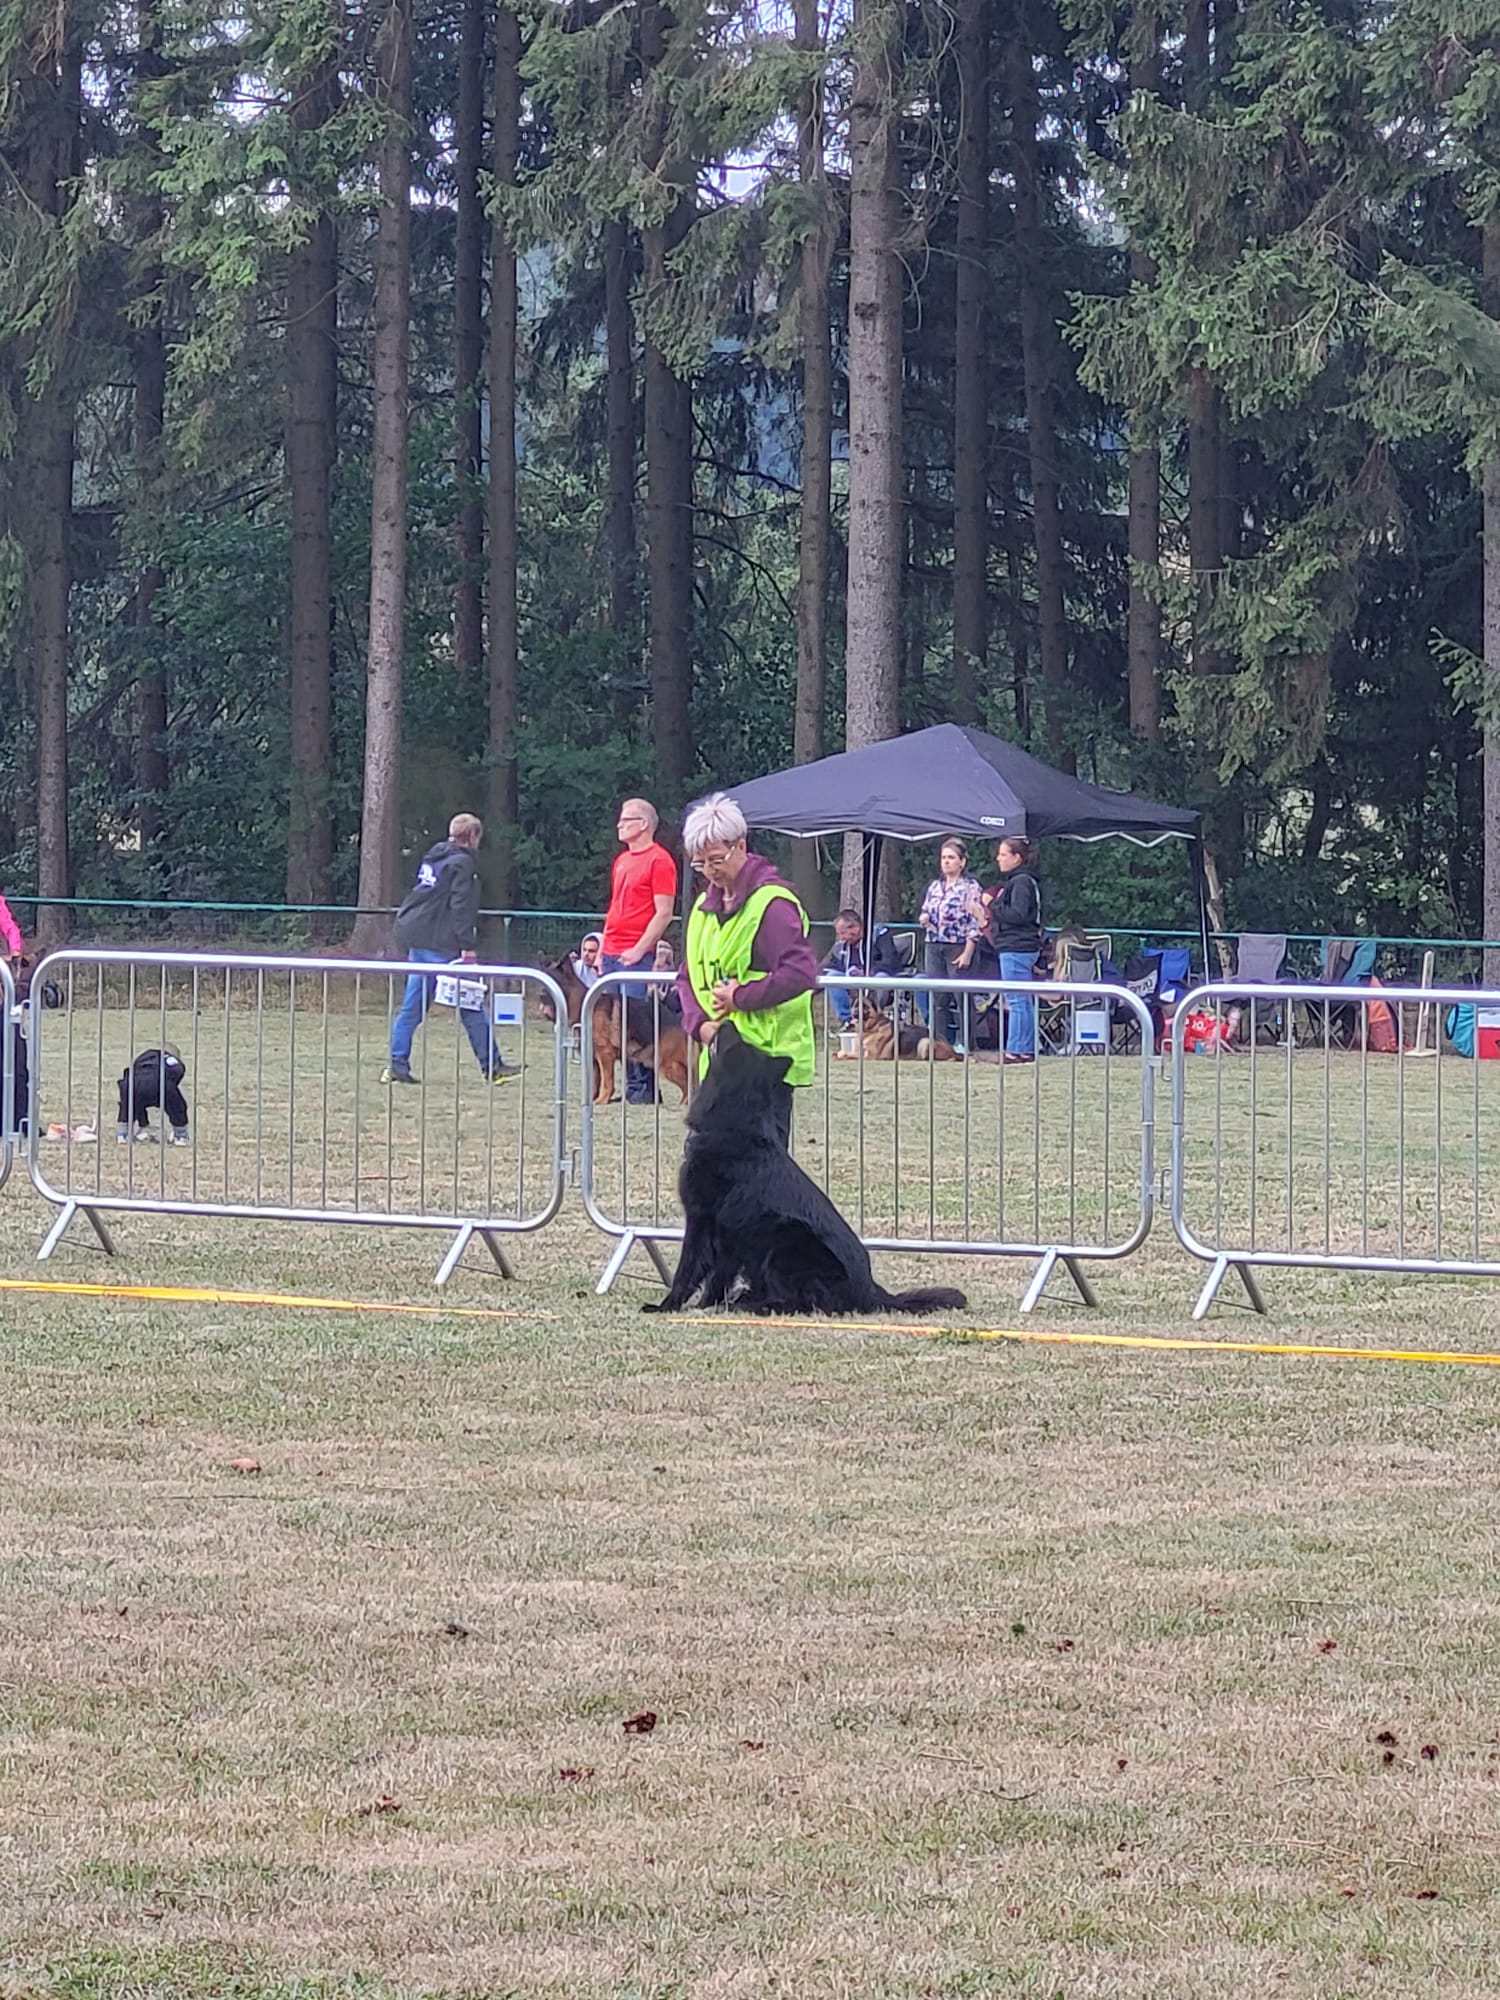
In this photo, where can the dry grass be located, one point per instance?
(979, 1670)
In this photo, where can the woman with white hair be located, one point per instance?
(746, 957)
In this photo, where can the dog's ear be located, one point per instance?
(729, 1037)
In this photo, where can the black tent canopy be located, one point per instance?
(952, 780)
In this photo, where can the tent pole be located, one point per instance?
(1200, 883)
(870, 883)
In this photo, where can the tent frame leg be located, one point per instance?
(1074, 1268)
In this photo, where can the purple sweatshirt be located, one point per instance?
(780, 950)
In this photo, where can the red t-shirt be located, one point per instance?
(634, 885)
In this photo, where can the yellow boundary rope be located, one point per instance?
(1159, 1343)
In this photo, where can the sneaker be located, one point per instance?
(122, 1134)
(146, 1137)
(1019, 1059)
(396, 1073)
(502, 1073)
(182, 1138)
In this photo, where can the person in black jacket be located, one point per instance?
(849, 955)
(1012, 911)
(435, 925)
(154, 1077)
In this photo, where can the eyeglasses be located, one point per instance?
(631, 819)
(703, 862)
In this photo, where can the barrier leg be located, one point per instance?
(59, 1229)
(621, 1251)
(1222, 1266)
(1044, 1271)
(461, 1242)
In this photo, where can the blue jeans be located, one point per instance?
(414, 1011)
(1020, 1009)
(843, 1004)
(640, 1078)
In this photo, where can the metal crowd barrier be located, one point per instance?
(1335, 1132)
(10, 1111)
(1051, 1160)
(288, 1118)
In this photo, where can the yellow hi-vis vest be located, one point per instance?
(718, 948)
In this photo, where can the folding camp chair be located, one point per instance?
(1066, 1025)
(1347, 962)
(1260, 960)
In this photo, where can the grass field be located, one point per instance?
(978, 1668)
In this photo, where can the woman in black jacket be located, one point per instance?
(1013, 915)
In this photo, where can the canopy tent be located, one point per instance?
(952, 780)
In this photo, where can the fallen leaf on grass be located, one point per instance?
(453, 1630)
(1328, 1645)
(1387, 1757)
(640, 1725)
(1121, 1762)
(752, 1743)
(1387, 1738)
(1429, 1752)
(577, 1772)
(1062, 1645)
(244, 1465)
(155, 1915)
(1425, 1895)
(386, 1803)
(1348, 1892)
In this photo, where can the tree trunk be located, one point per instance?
(1039, 361)
(971, 537)
(1491, 269)
(815, 339)
(468, 347)
(312, 415)
(380, 829)
(502, 806)
(620, 426)
(872, 643)
(669, 445)
(1143, 617)
(1205, 512)
(52, 170)
(151, 772)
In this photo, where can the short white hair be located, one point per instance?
(715, 818)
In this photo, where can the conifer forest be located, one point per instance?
(416, 405)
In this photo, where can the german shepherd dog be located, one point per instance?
(759, 1233)
(671, 1056)
(882, 1039)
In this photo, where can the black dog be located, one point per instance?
(757, 1227)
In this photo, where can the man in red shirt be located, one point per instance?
(642, 899)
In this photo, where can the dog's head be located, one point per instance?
(573, 988)
(740, 1090)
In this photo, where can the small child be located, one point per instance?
(155, 1077)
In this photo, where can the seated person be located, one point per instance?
(665, 960)
(586, 959)
(850, 956)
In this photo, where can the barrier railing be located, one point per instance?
(282, 1087)
(1334, 1132)
(10, 1111)
(1051, 1160)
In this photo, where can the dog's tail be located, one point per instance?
(929, 1299)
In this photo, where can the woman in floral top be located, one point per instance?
(952, 931)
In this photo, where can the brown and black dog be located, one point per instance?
(883, 1041)
(670, 1056)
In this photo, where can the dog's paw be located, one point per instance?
(655, 1306)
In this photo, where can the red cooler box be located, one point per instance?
(1487, 1033)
